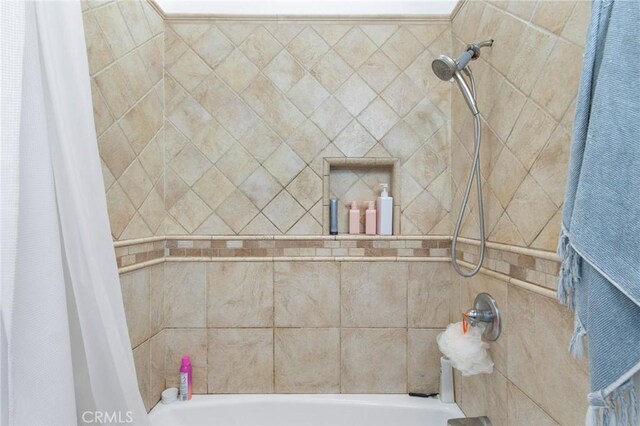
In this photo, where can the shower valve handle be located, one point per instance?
(474, 316)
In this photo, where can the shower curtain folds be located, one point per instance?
(66, 353)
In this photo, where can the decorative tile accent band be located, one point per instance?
(138, 251)
(327, 248)
(533, 266)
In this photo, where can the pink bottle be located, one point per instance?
(186, 378)
(354, 218)
(370, 219)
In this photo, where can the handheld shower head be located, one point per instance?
(447, 68)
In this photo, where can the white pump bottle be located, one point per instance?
(384, 207)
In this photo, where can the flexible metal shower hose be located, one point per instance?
(475, 170)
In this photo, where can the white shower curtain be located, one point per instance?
(66, 356)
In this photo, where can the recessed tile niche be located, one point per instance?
(358, 179)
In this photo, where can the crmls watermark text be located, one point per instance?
(112, 417)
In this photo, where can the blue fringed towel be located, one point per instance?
(600, 242)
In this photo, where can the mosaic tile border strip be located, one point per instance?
(536, 270)
(310, 247)
(133, 252)
(533, 266)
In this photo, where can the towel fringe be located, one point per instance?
(569, 272)
(620, 407)
(576, 347)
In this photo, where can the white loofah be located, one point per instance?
(468, 353)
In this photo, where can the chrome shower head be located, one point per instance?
(444, 67)
(447, 68)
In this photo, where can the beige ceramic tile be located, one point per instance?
(284, 164)
(98, 50)
(554, 91)
(307, 94)
(425, 211)
(114, 28)
(355, 47)
(135, 295)
(189, 70)
(237, 210)
(142, 361)
(331, 117)
(374, 295)
(331, 71)
(530, 58)
(115, 150)
(378, 71)
(402, 48)
(507, 175)
(354, 140)
(373, 360)
(331, 32)
(423, 360)
(240, 360)
(379, 33)
(538, 365)
(307, 294)
(213, 46)
(236, 70)
(307, 360)
(189, 117)
(530, 196)
(260, 141)
(307, 141)
(530, 133)
(550, 168)
(184, 294)
(190, 211)
(260, 187)
(190, 164)
(240, 294)
(550, 235)
(402, 95)
(283, 211)
(308, 47)
(284, 71)
(180, 342)
(157, 380)
(575, 29)
(521, 410)
(306, 188)
(506, 232)
(101, 114)
(156, 298)
(237, 164)
(508, 104)
(213, 187)
(485, 395)
(355, 94)
(378, 118)
(553, 15)
(428, 293)
(260, 47)
(120, 209)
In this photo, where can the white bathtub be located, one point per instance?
(305, 410)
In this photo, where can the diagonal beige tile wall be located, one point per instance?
(253, 107)
(527, 84)
(125, 48)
